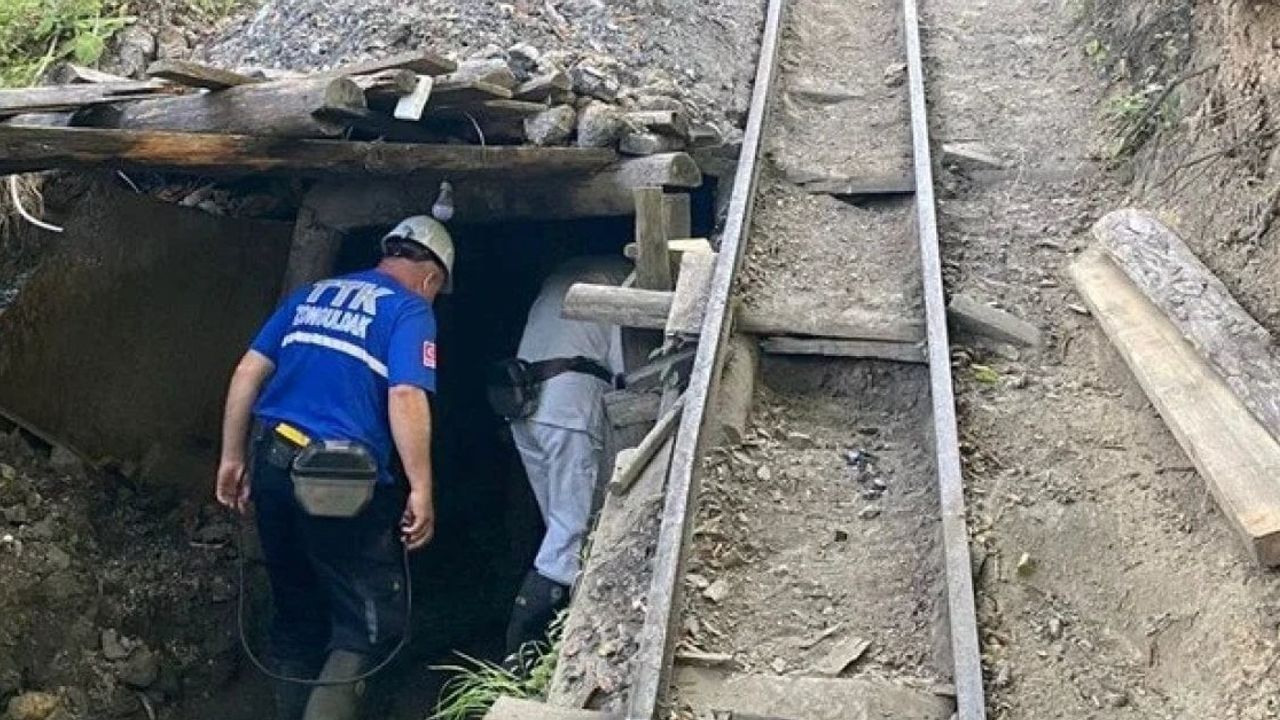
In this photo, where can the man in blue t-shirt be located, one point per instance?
(349, 359)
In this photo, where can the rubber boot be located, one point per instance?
(291, 698)
(337, 702)
(535, 607)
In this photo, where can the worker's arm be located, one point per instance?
(410, 416)
(246, 383)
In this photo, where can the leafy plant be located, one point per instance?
(477, 684)
(215, 9)
(35, 33)
(985, 374)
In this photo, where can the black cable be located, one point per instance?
(253, 658)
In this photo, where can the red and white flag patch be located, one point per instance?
(429, 354)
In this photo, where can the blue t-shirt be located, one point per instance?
(338, 345)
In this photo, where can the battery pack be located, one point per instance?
(334, 478)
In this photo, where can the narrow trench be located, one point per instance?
(488, 528)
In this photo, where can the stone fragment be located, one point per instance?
(895, 74)
(717, 592)
(647, 143)
(594, 80)
(552, 126)
(869, 512)
(494, 71)
(523, 59)
(141, 669)
(599, 125)
(133, 49)
(112, 647)
(33, 706)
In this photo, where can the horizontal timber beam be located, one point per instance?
(28, 149)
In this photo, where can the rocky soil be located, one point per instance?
(114, 605)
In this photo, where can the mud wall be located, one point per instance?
(121, 343)
(1204, 77)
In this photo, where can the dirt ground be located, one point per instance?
(1134, 599)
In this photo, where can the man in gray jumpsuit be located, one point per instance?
(561, 443)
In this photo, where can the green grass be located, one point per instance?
(477, 684)
(36, 33)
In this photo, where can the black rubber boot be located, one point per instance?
(337, 702)
(291, 698)
(535, 607)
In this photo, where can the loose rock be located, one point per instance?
(717, 592)
(593, 80)
(112, 648)
(895, 74)
(141, 669)
(599, 125)
(551, 127)
(33, 706)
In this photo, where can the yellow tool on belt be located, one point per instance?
(292, 434)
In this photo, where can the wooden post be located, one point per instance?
(314, 248)
(678, 214)
(653, 266)
(736, 391)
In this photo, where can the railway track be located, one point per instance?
(834, 538)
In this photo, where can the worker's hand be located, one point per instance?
(233, 485)
(419, 521)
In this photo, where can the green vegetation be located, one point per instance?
(212, 10)
(1138, 115)
(36, 33)
(476, 684)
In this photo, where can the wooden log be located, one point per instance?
(647, 450)
(422, 62)
(49, 119)
(1232, 451)
(689, 301)
(278, 108)
(626, 408)
(653, 266)
(648, 309)
(678, 208)
(499, 109)
(55, 98)
(650, 375)
(827, 347)
(24, 149)
(453, 93)
(541, 88)
(1242, 351)
(735, 393)
(314, 248)
(977, 318)
(196, 75)
(378, 125)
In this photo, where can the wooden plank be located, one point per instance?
(663, 122)
(383, 89)
(710, 691)
(977, 318)
(677, 245)
(689, 302)
(423, 62)
(649, 309)
(625, 408)
(449, 93)
(67, 73)
(509, 708)
(652, 660)
(861, 186)
(965, 654)
(56, 98)
(196, 75)
(278, 108)
(499, 109)
(646, 143)
(646, 450)
(1232, 451)
(24, 149)
(653, 267)
(1242, 351)
(735, 393)
(411, 106)
(826, 347)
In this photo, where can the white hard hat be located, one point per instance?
(430, 234)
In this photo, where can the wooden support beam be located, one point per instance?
(677, 246)
(498, 109)
(422, 62)
(25, 149)
(648, 309)
(689, 301)
(646, 450)
(861, 186)
(828, 347)
(278, 108)
(453, 93)
(196, 75)
(313, 249)
(672, 123)
(678, 210)
(1242, 351)
(653, 266)
(56, 98)
(1232, 451)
